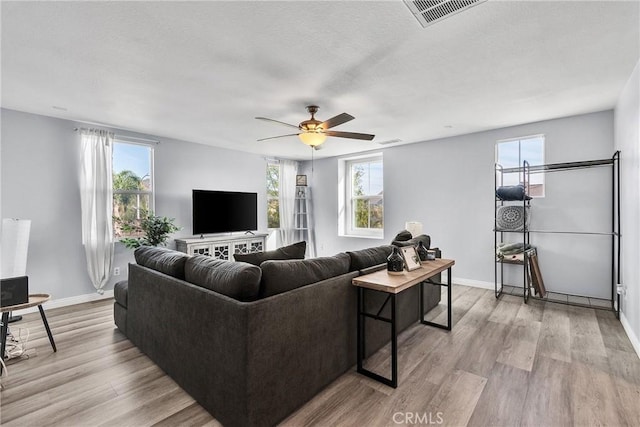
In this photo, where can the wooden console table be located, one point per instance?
(382, 281)
(34, 300)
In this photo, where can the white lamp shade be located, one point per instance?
(15, 243)
(312, 138)
(413, 227)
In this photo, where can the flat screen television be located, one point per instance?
(224, 211)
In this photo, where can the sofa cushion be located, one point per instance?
(426, 241)
(280, 276)
(237, 280)
(120, 292)
(369, 257)
(164, 260)
(295, 251)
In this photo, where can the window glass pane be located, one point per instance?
(532, 150)
(273, 194)
(273, 180)
(132, 165)
(273, 213)
(132, 170)
(511, 154)
(366, 205)
(367, 178)
(127, 210)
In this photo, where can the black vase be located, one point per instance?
(422, 251)
(395, 262)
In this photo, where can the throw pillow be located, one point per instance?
(512, 192)
(366, 258)
(295, 251)
(403, 235)
(426, 241)
(164, 260)
(512, 218)
(237, 280)
(280, 276)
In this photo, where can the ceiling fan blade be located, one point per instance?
(337, 120)
(277, 121)
(352, 135)
(281, 136)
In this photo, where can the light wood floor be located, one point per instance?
(505, 363)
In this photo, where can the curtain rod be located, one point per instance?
(116, 136)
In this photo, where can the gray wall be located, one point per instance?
(627, 137)
(447, 184)
(40, 158)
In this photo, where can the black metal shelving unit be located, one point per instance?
(524, 173)
(526, 170)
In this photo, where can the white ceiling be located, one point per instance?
(201, 71)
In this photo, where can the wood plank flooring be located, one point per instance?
(504, 363)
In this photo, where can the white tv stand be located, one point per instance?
(222, 247)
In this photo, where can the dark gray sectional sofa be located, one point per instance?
(252, 344)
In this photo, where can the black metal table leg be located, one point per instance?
(393, 382)
(449, 299)
(448, 285)
(360, 322)
(3, 335)
(394, 344)
(46, 326)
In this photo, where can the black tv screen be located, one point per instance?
(224, 211)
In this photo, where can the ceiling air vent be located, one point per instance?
(429, 12)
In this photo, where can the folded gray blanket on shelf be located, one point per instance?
(511, 248)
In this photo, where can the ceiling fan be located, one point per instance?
(314, 132)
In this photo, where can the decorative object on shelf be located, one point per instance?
(431, 254)
(536, 275)
(413, 227)
(301, 180)
(512, 218)
(512, 193)
(301, 193)
(156, 230)
(395, 262)
(422, 251)
(503, 249)
(411, 258)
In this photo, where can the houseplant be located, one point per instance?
(155, 230)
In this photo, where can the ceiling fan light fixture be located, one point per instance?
(312, 139)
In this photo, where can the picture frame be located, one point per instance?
(301, 180)
(411, 258)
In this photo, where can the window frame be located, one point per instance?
(151, 193)
(520, 159)
(270, 198)
(350, 199)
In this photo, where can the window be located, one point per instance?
(364, 204)
(273, 195)
(132, 186)
(511, 152)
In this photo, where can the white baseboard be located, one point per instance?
(65, 302)
(632, 336)
(468, 282)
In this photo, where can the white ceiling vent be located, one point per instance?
(429, 12)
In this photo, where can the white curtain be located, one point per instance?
(96, 196)
(288, 171)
